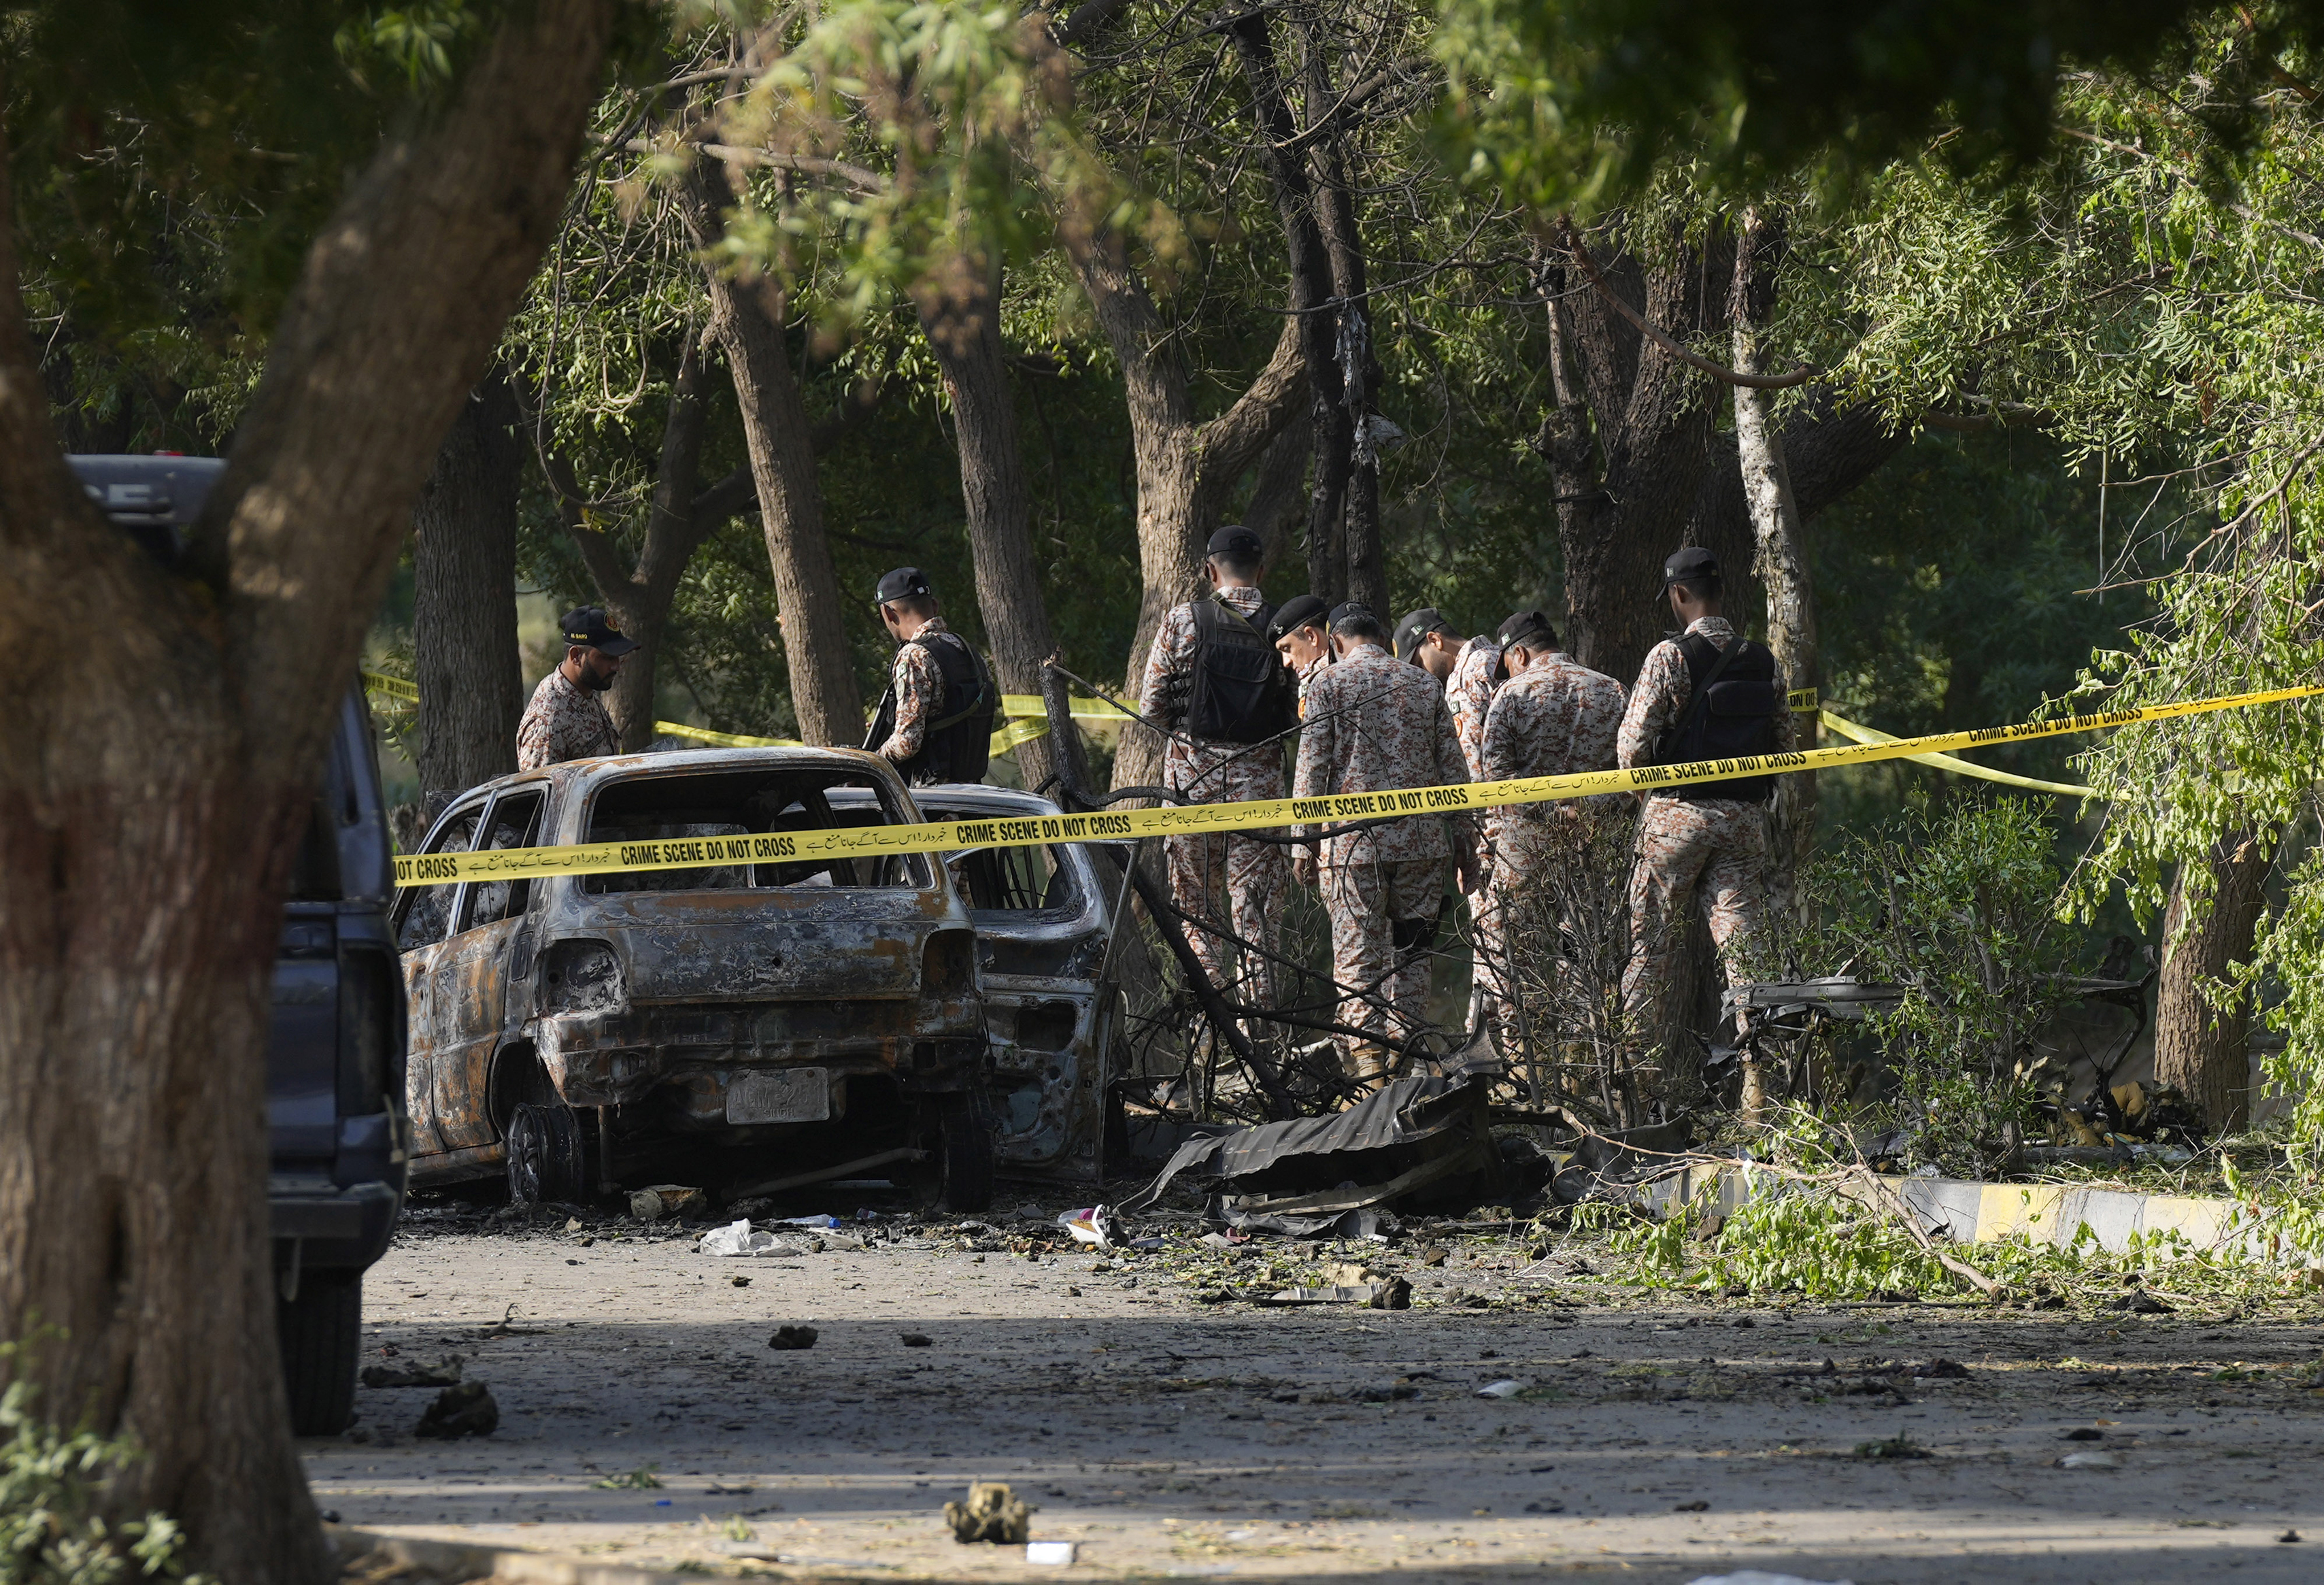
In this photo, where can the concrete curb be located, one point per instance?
(408, 1560)
(1971, 1212)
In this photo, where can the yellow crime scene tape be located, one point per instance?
(1027, 718)
(1867, 735)
(944, 835)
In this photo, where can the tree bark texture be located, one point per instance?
(171, 728)
(1278, 494)
(2202, 1050)
(638, 597)
(747, 316)
(1334, 203)
(463, 604)
(1185, 470)
(1631, 436)
(965, 337)
(1329, 565)
(1781, 558)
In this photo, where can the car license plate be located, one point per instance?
(789, 1095)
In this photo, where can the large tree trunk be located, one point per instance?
(747, 316)
(2202, 1050)
(1782, 557)
(1328, 546)
(463, 604)
(1630, 435)
(637, 598)
(965, 337)
(169, 731)
(1184, 470)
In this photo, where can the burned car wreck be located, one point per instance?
(750, 1027)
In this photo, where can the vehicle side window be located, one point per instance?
(428, 917)
(1015, 880)
(514, 823)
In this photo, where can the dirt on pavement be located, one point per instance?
(1171, 1431)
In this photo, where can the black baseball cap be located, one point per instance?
(1299, 612)
(1416, 626)
(1526, 626)
(587, 624)
(902, 584)
(1239, 543)
(1688, 564)
(1348, 608)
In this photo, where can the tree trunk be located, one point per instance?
(1782, 558)
(169, 734)
(1365, 557)
(747, 316)
(965, 337)
(637, 598)
(463, 607)
(1330, 549)
(1184, 470)
(1278, 494)
(1631, 436)
(2200, 1049)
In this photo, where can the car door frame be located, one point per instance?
(418, 965)
(473, 964)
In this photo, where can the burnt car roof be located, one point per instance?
(976, 794)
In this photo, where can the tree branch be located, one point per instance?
(1569, 240)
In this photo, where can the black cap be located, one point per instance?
(1689, 563)
(902, 584)
(1299, 611)
(1524, 628)
(1348, 608)
(1238, 543)
(587, 625)
(1416, 626)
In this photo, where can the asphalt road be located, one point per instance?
(644, 1418)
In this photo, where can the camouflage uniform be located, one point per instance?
(1307, 675)
(564, 722)
(1718, 846)
(1469, 694)
(1234, 883)
(1556, 717)
(919, 684)
(1374, 723)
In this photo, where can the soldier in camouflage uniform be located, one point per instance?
(1373, 726)
(1222, 878)
(565, 718)
(1300, 635)
(1553, 717)
(1716, 846)
(1471, 670)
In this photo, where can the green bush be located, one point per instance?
(52, 1530)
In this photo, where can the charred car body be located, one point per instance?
(752, 1027)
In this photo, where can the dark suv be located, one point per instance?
(334, 1060)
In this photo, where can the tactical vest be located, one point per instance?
(958, 744)
(1241, 692)
(1733, 701)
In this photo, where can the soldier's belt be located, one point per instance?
(944, 835)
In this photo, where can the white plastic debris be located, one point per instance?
(741, 1238)
(1500, 1389)
(816, 1222)
(1050, 1551)
(1761, 1576)
(2089, 1462)
(1092, 1224)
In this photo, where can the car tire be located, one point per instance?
(552, 1155)
(958, 1175)
(320, 1334)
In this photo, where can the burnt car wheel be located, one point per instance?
(552, 1158)
(957, 1174)
(320, 1334)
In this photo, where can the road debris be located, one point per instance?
(919, 1340)
(793, 1337)
(446, 1372)
(1500, 1389)
(1093, 1224)
(1056, 1552)
(993, 1512)
(741, 1240)
(1422, 1136)
(1395, 1294)
(660, 1199)
(2089, 1462)
(466, 1410)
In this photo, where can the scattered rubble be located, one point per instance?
(993, 1512)
(445, 1373)
(793, 1337)
(466, 1410)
